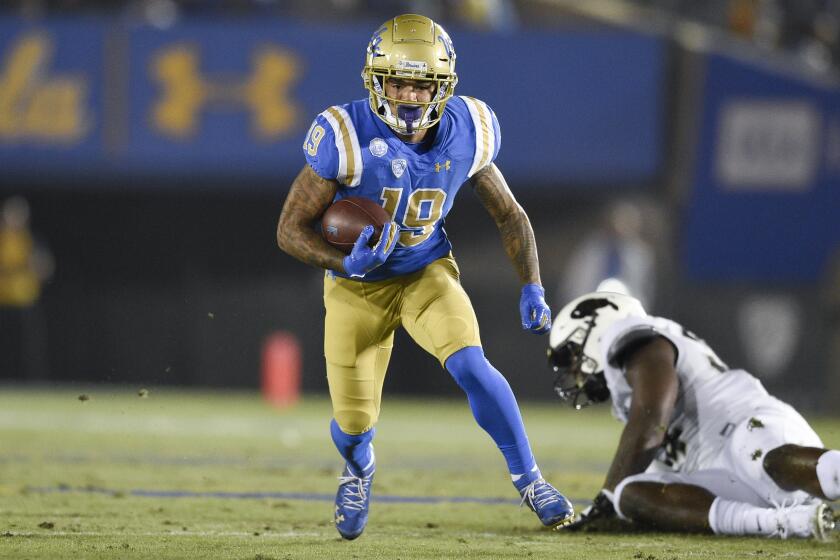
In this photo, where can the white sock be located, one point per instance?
(739, 518)
(828, 473)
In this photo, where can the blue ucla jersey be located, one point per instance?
(416, 184)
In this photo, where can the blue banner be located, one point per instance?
(52, 95)
(765, 200)
(205, 98)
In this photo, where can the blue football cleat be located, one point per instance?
(351, 503)
(551, 506)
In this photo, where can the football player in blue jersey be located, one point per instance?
(410, 146)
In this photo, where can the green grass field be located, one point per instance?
(181, 474)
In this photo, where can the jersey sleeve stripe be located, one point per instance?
(355, 174)
(484, 137)
(339, 144)
(486, 133)
(347, 143)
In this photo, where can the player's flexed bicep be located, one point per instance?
(309, 195)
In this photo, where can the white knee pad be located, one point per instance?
(828, 474)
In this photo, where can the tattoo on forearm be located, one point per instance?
(515, 228)
(308, 197)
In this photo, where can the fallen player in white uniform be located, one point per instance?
(705, 448)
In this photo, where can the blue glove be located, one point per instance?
(536, 316)
(362, 259)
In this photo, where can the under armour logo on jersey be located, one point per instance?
(398, 166)
(445, 166)
(587, 308)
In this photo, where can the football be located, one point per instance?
(345, 219)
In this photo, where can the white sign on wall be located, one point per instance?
(770, 328)
(768, 145)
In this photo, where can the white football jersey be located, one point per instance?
(712, 399)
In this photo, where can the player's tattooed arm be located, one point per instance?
(650, 371)
(512, 221)
(309, 196)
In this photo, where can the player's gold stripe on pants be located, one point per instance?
(346, 142)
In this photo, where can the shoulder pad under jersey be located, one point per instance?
(634, 336)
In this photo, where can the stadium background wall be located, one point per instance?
(161, 214)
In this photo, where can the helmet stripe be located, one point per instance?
(347, 144)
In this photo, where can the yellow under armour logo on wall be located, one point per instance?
(187, 93)
(35, 104)
(445, 166)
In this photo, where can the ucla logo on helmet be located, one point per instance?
(398, 166)
(375, 39)
(378, 147)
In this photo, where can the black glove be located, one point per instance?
(601, 508)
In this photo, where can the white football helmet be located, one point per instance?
(575, 351)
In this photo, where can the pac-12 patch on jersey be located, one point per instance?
(415, 183)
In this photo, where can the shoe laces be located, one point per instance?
(539, 494)
(820, 519)
(354, 492)
(783, 511)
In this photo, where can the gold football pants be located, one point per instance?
(359, 332)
